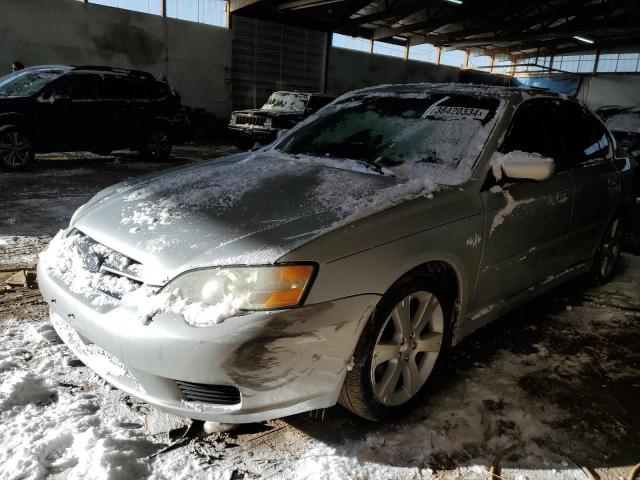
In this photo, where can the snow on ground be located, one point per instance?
(20, 250)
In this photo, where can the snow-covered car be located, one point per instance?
(340, 263)
(280, 112)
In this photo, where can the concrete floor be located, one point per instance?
(558, 379)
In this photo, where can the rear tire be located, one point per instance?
(608, 255)
(156, 146)
(16, 150)
(400, 350)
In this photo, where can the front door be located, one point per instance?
(526, 222)
(69, 116)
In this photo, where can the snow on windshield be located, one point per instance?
(295, 102)
(400, 132)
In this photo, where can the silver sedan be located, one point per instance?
(341, 262)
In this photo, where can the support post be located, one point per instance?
(438, 53)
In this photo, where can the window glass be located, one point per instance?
(398, 130)
(82, 87)
(116, 87)
(585, 137)
(26, 82)
(533, 130)
(141, 90)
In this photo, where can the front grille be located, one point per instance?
(249, 120)
(98, 258)
(218, 394)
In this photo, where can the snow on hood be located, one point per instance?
(246, 209)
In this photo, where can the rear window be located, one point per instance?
(116, 87)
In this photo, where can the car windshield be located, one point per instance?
(386, 130)
(26, 82)
(296, 102)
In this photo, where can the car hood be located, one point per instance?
(247, 209)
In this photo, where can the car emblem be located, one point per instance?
(93, 262)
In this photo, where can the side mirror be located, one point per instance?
(524, 166)
(59, 97)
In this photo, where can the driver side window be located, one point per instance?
(533, 130)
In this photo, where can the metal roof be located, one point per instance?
(513, 28)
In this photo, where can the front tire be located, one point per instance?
(608, 255)
(400, 350)
(16, 150)
(156, 146)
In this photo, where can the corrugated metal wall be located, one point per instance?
(269, 56)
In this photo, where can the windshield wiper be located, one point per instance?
(376, 168)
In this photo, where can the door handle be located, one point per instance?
(613, 182)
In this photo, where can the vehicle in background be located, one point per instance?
(624, 124)
(341, 262)
(56, 108)
(281, 111)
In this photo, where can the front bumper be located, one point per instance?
(282, 362)
(250, 132)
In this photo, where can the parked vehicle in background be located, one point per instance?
(56, 108)
(280, 112)
(340, 263)
(624, 123)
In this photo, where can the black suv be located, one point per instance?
(57, 108)
(281, 111)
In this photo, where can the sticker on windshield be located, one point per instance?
(459, 113)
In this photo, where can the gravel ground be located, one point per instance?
(558, 380)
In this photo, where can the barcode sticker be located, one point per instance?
(459, 112)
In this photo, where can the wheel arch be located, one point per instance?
(439, 268)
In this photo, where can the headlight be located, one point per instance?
(234, 117)
(245, 288)
(77, 213)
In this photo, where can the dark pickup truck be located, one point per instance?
(281, 111)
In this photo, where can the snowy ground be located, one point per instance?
(558, 379)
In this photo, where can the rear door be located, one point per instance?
(526, 221)
(589, 158)
(120, 122)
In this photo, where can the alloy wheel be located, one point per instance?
(407, 348)
(610, 250)
(15, 149)
(158, 145)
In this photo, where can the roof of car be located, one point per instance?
(458, 88)
(94, 69)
